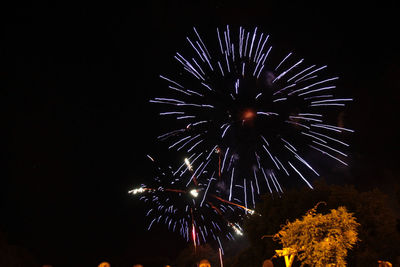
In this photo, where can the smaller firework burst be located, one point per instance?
(193, 209)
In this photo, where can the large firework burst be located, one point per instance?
(261, 114)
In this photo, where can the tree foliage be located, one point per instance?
(378, 232)
(320, 240)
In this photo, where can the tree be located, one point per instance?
(320, 240)
(378, 232)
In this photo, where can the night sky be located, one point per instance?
(75, 81)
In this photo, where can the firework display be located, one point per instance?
(194, 210)
(260, 114)
(249, 121)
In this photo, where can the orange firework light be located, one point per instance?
(247, 115)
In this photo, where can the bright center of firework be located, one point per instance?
(187, 162)
(137, 190)
(237, 230)
(194, 192)
(247, 115)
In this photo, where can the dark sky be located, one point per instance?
(75, 81)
